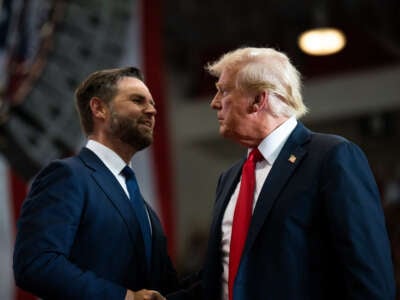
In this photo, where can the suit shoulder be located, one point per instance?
(64, 169)
(327, 141)
(333, 148)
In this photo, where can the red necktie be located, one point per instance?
(242, 216)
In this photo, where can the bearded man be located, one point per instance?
(85, 232)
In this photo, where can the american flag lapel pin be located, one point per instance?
(292, 158)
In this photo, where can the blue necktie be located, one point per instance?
(140, 209)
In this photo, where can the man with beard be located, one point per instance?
(85, 231)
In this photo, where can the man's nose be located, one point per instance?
(215, 103)
(150, 109)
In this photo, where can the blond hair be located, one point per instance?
(265, 69)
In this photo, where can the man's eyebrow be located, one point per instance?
(137, 95)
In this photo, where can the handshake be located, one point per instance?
(144, 295)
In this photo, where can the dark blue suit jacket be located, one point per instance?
(317, 232)
(78, 236)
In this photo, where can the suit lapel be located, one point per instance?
(213, 265)
(286, 163)
(112, 188)
(223, 198)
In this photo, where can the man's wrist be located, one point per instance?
(130, 295)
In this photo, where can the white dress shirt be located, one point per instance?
(270, 147)
(114, 163)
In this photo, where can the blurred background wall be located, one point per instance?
(48, 46)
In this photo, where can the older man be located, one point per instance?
(300, 217)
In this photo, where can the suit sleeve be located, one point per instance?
(49, 219)
(169, 284)
(192, 287)
(356, 224)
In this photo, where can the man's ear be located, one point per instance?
(98, 108)
(260, 101)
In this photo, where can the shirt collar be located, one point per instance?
(111, 159)
(271, 145)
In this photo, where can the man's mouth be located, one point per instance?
(147, 123)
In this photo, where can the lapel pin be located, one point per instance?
(292, 158)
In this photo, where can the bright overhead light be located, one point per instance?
(322, 41)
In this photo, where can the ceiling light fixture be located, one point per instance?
(322, 38)
(322, 41)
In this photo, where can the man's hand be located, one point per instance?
(143, 295)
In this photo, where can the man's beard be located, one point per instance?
(128, 131)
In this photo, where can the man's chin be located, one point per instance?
(148, 136)
(144, 143)
(224, 132)
(227, 134)
(138, 142)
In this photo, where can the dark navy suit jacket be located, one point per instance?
(317, 232)
(78, 236)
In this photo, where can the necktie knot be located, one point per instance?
(128, 172)
(255, 156)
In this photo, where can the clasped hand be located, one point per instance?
(143, 295)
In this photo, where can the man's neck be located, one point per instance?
(125, 151)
